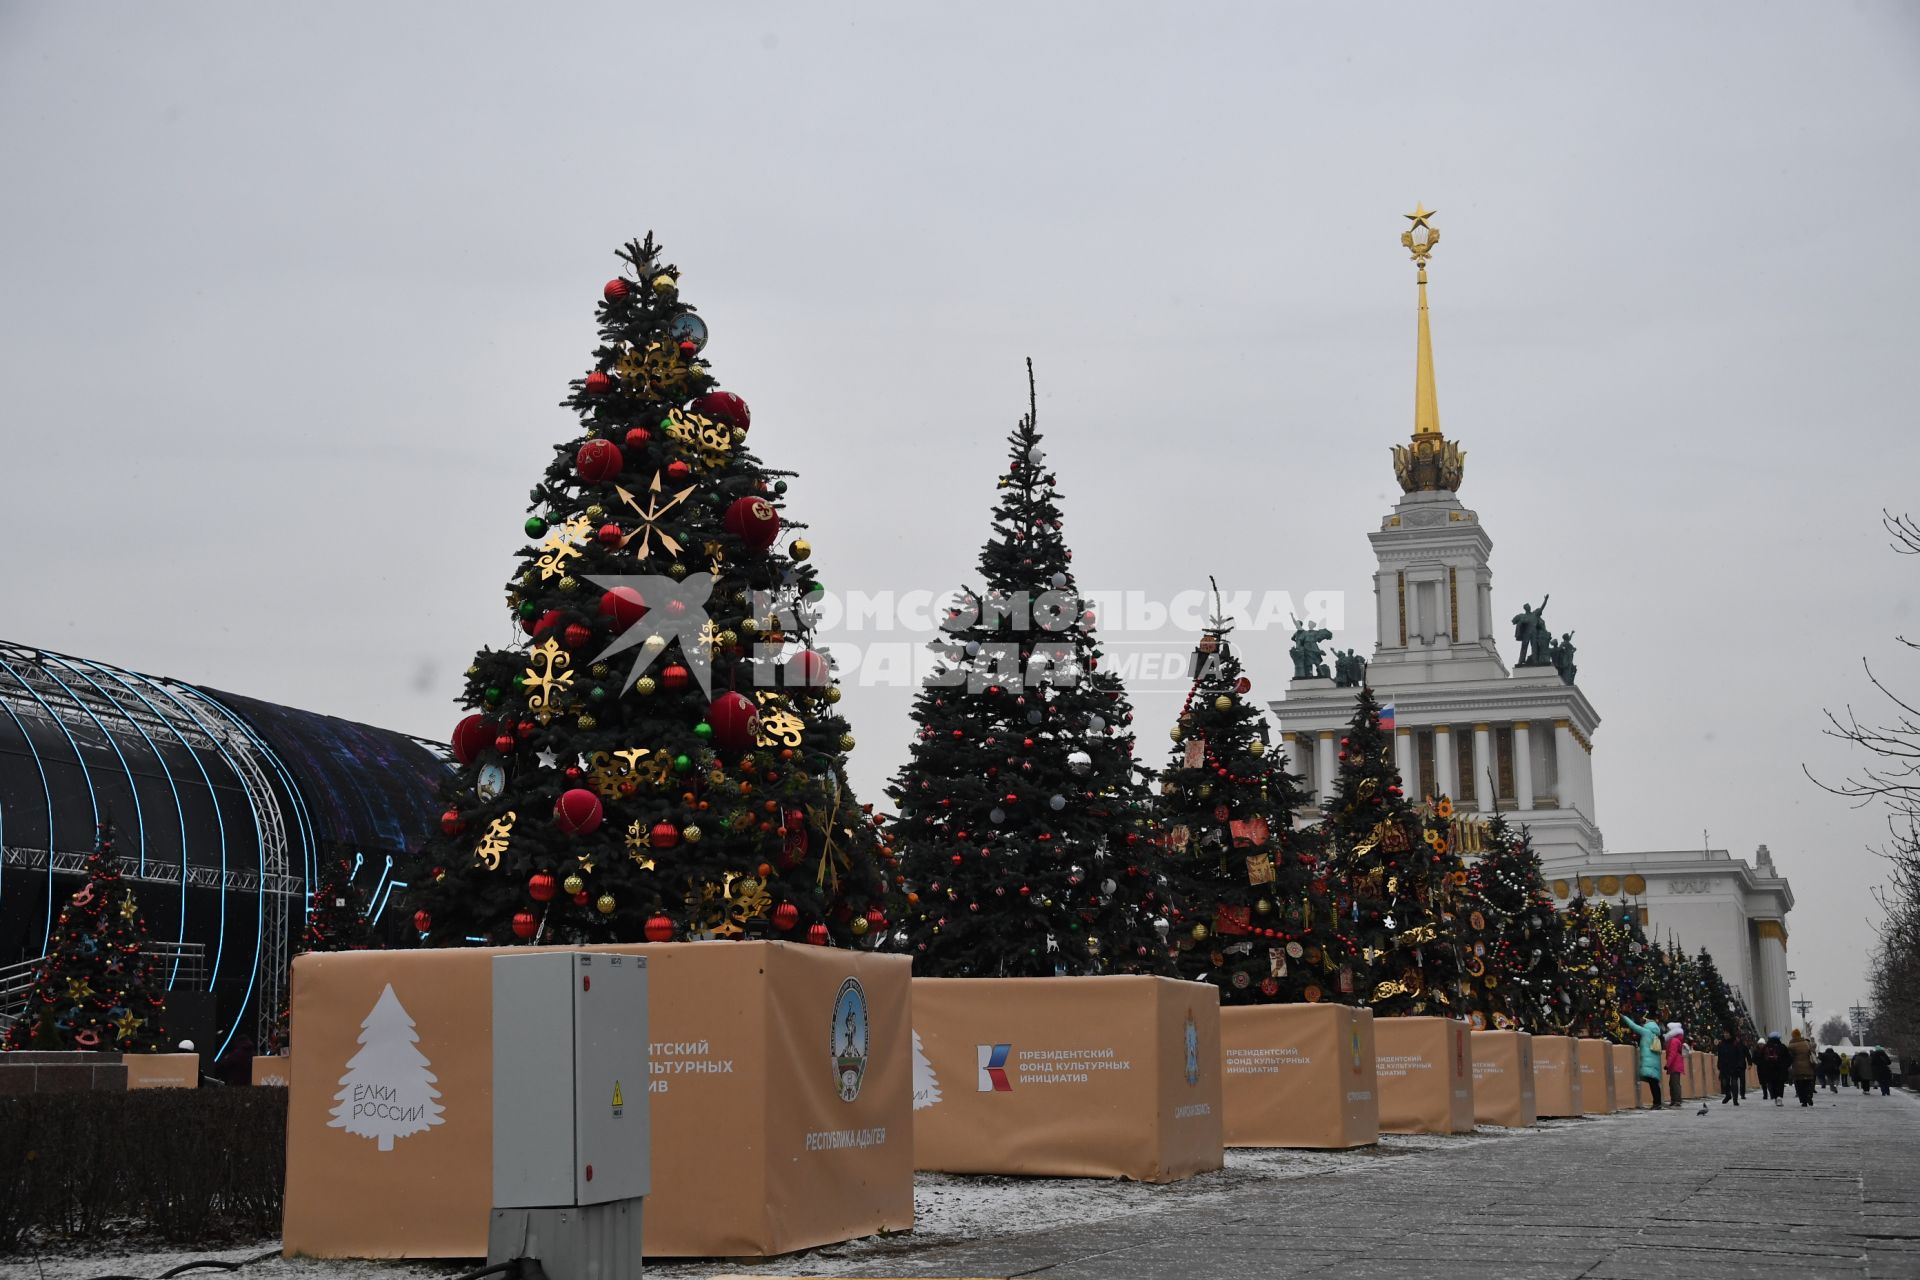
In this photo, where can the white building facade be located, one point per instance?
(1516, 740)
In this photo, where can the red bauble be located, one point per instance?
(546, 622)
(674, 677)
(504, 744)
(785, 916)
(877, 919)
(422, 920)
(664, 835)
(723, 406)
(451, 823)
(623, 607)
(689, 349)
(658, 928)
(578, 812)
(524, 924)
(611, 535)
(599, 460)
(754, 522)
(616, 290)
(678, 470)
(576, 635)
(582, 898)
(470, 738)
(598, 383)
(808, 669)
(817, 935)
(638, 437)
(542, 886)
(735, 720)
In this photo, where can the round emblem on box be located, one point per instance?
(1193, 1050)
(850, 1039)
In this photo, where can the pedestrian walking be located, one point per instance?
(1883, 1071)
(1648, 1065)
(1830, 1069)
(1802, 1069)
(1773, 1062)
(1732, 1057)
(1863, 1069)
(1676, 1061)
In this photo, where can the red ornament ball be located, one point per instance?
(735, 720)
(576, 635)
(422, 920)
(723, 406)
(623, 607)
(599, 460)
(638, 437)
(817, 935)
(658, 928)
(451, 822)
(664, 835)
(809, 669)
(611, 535)
(524, 924)
(536, 627)
(582, 898)
(674, 677)
(754, 522)
(542, 886)
(785, 916)
(598, 383)
(877, 919)
(578, 812)
(678, 470)
(616, 290)
(470, 738)
(504, 744)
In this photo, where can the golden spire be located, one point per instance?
(1431, 462)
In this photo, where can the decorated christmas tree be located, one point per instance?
(1252, 913)
(1401, 876)
(336, 921)
(1601, 978)
(1021, 822)
(661, 757)
(1717, 996)
(1511, 938)
(97, 989)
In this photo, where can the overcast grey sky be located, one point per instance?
(288, 295)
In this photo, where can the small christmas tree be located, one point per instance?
(1402, 877)
(97, 989)
(1021, 821)
(1253, 914)
(664, 757)
(388, 1091)
(926, 1085)
(336, 921)
(1511, 936)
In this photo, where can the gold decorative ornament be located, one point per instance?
(610, 769)
(649, 516)
(604, 904)
(701, 435)
(800, 549)
(1257, 748)
(1223, 703)
(833, 694)
(586, 721)
(656, 367)
(494, 843)
(563, 544)
(573, 884)
(639, 844)
(664, 285)
(846, 742)
(779, 726)
(691, 833)
(1430, 463)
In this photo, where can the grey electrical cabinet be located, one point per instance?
(571, 1138)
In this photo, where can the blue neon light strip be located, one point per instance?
(46, 940)
(133, 784)
(391, 886)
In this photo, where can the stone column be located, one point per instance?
(1522, 766)
(1485, 789)
(1566, 763)
(1403, 760)
(1323, 766)
(1773, 1012)
(1443, 781)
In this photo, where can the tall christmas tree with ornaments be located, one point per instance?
(661, 757)
(1401, 877)
(1022, 823)
(1510, 939)
(97, 989)
(1251, 911)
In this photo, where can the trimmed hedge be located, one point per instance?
(190, 1166)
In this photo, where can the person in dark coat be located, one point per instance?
(1773, 1062)
(1802, 1050)
(1732, 1056)
(1863, 1070)
(1830, 1068)
(1883, 1071)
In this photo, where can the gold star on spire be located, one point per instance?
(1431, 462)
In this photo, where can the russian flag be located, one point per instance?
(1386, 717)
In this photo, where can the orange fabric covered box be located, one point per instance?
(162, 1070)
(1626, 1085)
(1596, 1077)
(1425, 1069)
(1556, 1076)
(1503, 1078)
(1299, 1075)
(780, 1099)
(275, 1071)
(1107, 1077)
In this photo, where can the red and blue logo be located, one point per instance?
(993, 1068)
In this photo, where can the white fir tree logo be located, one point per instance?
(388, 1091)
(926, 1085)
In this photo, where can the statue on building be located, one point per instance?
(1349, 669)
(1530, 629)
(1562, 652)
(1307, 661)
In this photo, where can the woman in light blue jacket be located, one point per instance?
(1649, 1064)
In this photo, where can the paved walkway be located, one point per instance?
(1780, 1191)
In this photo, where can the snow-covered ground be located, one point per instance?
(948, 1209)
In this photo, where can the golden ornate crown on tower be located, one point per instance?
(1431, 463)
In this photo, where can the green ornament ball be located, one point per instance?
(703, 730)
(598, 693)
(682, 763)
(779, 486)
(535, 526)
(528, 608)
(493, 693)
(520, 681)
